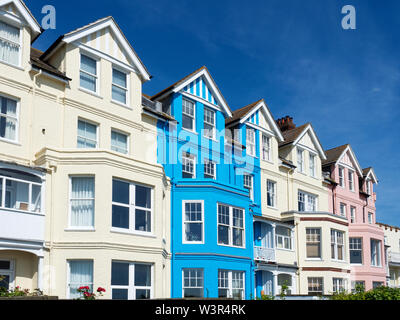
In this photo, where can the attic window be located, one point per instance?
(119, 86)
(9, 44)
(88, 74)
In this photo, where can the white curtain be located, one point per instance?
(82, 202)
(81, 274)
(8, 118)
(9, 43)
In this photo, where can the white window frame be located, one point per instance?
(313, 165)
(207, 163)
(350, 174)
(300, 160)
(310, 239)
(19, 44)
(231, 227)
(283, 238)
(189, 115)
(335, 243)
(250, 142)
(273, 193)
(188, 158)
(127, 92)
(376, 260)
(314, 282)
(183, 280)
(127, 141)
(78, 136)
(69, 274)
(339, 285)
(249, 178)
(370, 218)
(132, 209)
(230, 288)
(266, 147)
(96, 76)
(308, 200)
(213, 125)
(341, 172)
(131, 278)
(9, 272)
(70, 226)
(184, 222)
(353, 214)
(30, 186)
(343, 209)
(16, 118)
(356, 246)
(368, 187)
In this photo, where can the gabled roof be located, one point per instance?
(293, 136)
(335, 155)
(369, 172)
(25, 13)
(94, 27)
(241, 115)
(181, 84)
(39, 64)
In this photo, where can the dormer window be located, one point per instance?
(188, 115)
(89, 74)
(351, 181)
(10, 44)
(300, 160)
(251, 142)
(368, 185)
(119, 86)
(341, 177)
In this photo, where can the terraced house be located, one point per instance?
(170, 195)
(82, 198)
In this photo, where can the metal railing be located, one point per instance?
(264, 254)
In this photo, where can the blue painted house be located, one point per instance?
(212, 194)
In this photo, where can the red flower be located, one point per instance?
(100, 289)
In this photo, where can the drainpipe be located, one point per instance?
(35, 76)
(296, 223)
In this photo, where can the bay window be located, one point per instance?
(10, 44)
(355, 247)
(313, 242)
(131, 281)
(231, 284)
(283, 238)
(8, 119)
(376, 256)
(193, 283)
(132, 206)
(80, 274)
(20, 192)
(339, 285)
(193, 221)
(337, 245)
(315, 286)
(231, 230)
(82, 195)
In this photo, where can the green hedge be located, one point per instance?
(380, 293)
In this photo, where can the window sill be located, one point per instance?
(95, 94)
(268, 161)
(339, 261)
(313, 259)
(10, 141)
(12, 65)
(22, 211)
(74, 229)
(190, 131)
(192, 242)
(287, 250)
(272, 208)
(230, 246)
(133, 233)
(121, 104)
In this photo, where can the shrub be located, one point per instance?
(379, 293)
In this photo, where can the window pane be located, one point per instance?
(119, 78)
(192, 293)
(119, 274)
(142, 275)
(5, 265)
(119, 94)
(120, 217)
(187, 122)
(36, 198)
(193, 231)
(223, 235)
(9, 43)
(88, 64)
(143, 220)
(88, 82)
(5, 281)
(142, 294)
(120, 294)
(143, 197)
(119, 142)
(81, 274)
(237, 237)
(82, 202)
(120, 192)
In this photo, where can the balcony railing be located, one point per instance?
(264, 254)
(394, 257)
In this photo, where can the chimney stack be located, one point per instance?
(285, 123)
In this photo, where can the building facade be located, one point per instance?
(352, 197)
(83, 199)
(392, 254)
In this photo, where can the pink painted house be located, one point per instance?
(353, 196)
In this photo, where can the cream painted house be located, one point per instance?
(82, 198)
(392, 246)
(321, 238)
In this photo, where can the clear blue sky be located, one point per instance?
(292, 53)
